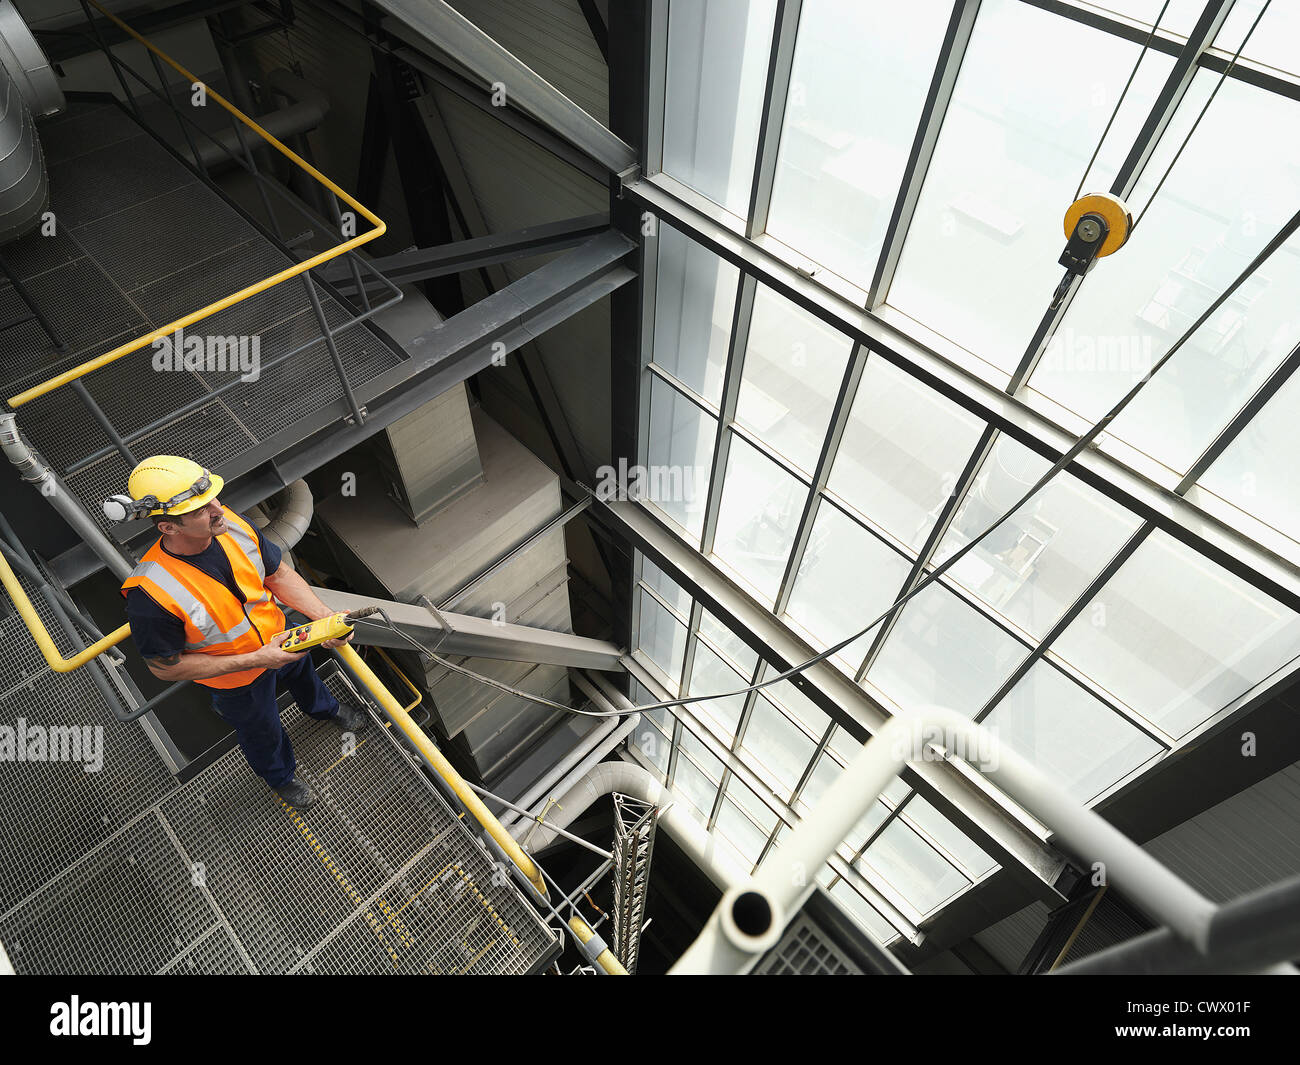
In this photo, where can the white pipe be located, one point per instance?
(35, 472)
(781, 882)
(630, 779)
(291, 519)
(588, 751)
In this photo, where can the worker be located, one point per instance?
(201, 603)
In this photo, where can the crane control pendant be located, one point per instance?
(1095, 226)
(334, 627)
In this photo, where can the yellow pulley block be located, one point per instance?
(1111, 209)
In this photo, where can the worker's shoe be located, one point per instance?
(349, 720)
(296, 793)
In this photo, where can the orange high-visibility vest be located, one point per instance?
(216, 622)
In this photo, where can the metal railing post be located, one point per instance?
(310, 285)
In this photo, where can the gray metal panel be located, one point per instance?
(1012, 937)
(553, 38)
(1242, 844)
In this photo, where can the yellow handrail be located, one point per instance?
(42, 635)
(444, 768)
(607, 959)
(121, 350)
(419, 695)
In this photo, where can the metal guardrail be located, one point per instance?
(245, 159)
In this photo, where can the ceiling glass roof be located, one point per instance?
(922, 162)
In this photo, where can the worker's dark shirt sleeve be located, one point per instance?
(157, 632)
(270, 553)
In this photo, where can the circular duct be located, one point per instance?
(27, 86)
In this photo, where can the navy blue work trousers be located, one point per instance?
(253, 713)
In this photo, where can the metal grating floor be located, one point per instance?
(141, 241)
(220, 876)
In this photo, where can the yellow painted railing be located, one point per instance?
(68, 376)
(42, 635)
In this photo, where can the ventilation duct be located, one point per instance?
(27, 86)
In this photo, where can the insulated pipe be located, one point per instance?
(629, 779)
(35, 472)
(575, 765)
(589, 750)
(291, 519)
(759, 909)
(597, 949)
(443, 768)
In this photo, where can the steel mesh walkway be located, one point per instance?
(139, 241)
(219, 875)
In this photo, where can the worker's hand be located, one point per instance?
(338, 643)
(271, 656)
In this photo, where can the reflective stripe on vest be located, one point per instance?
(193, 607)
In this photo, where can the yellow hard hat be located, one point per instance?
(169, 484)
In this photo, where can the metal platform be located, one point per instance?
(140, 241)
(220, 876)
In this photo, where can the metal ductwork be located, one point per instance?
(290, 517)
(27, 86)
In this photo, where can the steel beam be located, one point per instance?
(1183, 520)
(441, 25)
(462, 635)
(425, 263)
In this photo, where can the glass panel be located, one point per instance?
(718, 52)
(791, 376)
(944, 651)
(863, 912)
(748, 838)
(980, 260)
(653, 744)
(669, 590)
(680, 450)
(902, 452)
(731, 645)
(760, 511)
(951, 838)
(823, 776)
(847, 579)
(797, 705)
(692, 784)
(1178, 638)
(776, 742)
(1257, 471)
(1180, 17)
(1037, 562)
(695, 298)
(710, 675)
(1226, 197)
(916, 870)
(1073, 737)
(662, 637)
(861, 72)
(1276, 40)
